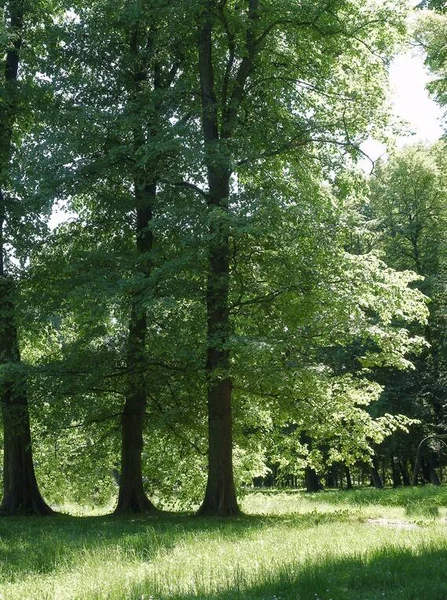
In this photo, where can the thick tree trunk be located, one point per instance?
(312, 480)
(220, 494)
(21, 494)
(331, 477)
(376, 480)
(425, 470)
(219, 117)
(434, 479)
(395, 473)
(132, 497)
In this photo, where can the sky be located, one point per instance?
(411, 102)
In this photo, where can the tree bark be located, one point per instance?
(375, 476)
(404, 473)
(220, 494)
(331, 477)
(312, 480)
(434, 479)
(348, 478)
(132, 497)
(219, 117)
(21, 493)
(395, 473)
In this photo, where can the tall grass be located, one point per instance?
(289, 545)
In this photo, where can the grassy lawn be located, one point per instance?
(364, 544)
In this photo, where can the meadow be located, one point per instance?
(364, 544)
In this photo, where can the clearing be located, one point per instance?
(335, 545)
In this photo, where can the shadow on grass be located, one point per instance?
(396, 575)
(30, 545)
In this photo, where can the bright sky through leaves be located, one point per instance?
(412, 104)
(411, 101)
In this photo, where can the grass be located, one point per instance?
(359, 545)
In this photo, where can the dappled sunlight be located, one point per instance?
(373, 577)
(230, 302)
(299, 552)
(410, 502)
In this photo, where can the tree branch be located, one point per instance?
(188, 185)
(245, 68)
(173, 429)
(88, 422)
(231, 52)
(286, 147)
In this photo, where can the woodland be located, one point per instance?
(228, 300)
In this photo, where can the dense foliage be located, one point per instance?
(228, 299)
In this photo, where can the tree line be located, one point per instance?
(229, 296)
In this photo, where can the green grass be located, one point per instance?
(288, 546)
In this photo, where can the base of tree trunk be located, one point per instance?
(210, 509)
(38, 508)
(135, 505)
(312, 480)
(434, 479)
(376, 480)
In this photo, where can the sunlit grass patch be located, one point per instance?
(292, 546)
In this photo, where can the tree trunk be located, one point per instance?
(21, 494)
(312, 480)
(425, 469)
(131, 497)
(348, 478)
(434, 479)
(219, 118)
(395, 473)
(270, 480)
(220, 494)
(331, 477)
(376, 480)
(404, 473)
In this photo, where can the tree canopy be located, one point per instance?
(228, 297)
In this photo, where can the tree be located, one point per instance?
(409, 210)
(261, 98)
(430, 34)
(112, 153)
(20, 490)
(200, 169)
(437, 5)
